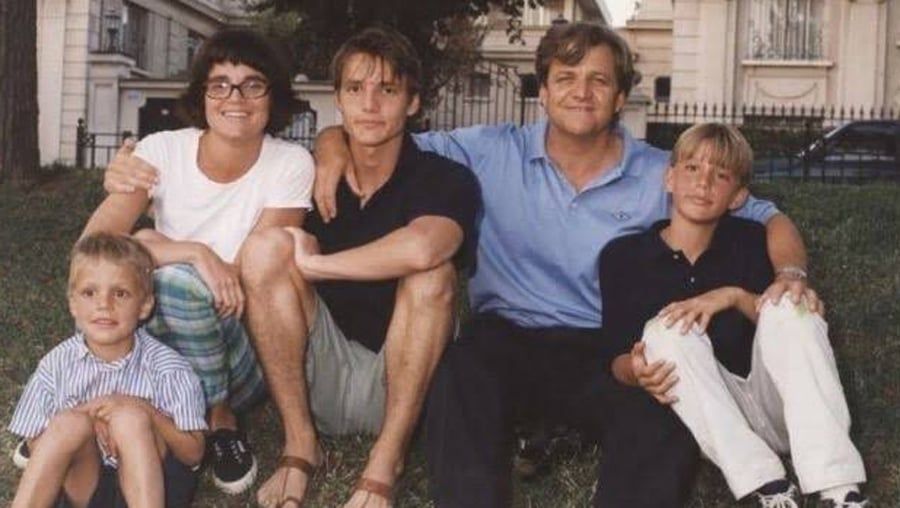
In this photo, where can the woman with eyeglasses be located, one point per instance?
(215, 182)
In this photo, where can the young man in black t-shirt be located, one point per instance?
(351, 316)
(750, 379)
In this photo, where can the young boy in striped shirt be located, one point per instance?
(111, 415)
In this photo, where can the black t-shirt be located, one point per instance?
(640, 274)
(423, 183)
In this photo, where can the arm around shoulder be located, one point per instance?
(117, 213)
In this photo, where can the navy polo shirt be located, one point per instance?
(422, 184)
(640, 274)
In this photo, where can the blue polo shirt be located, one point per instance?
(539, 239)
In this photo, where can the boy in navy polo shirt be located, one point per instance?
(751, 379)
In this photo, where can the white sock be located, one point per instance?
(837, 494)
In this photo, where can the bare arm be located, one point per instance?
(785, 243)
(423, 244)
(701, 308)
(167, 251)
(333, 162)
(787, 251)
(280, 217)
(186, 446)
(656, 378)
(128, 173)
(117, 213)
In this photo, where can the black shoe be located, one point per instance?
(539, 445)
(232, 461)
(21, 454)
(778, 494)
(851, 500)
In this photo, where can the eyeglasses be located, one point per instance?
(249, 88)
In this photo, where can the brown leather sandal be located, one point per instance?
(304, 466)
(380, 489)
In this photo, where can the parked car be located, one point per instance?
(856, 151)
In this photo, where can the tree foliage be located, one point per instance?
(445, 32)
(19, 156)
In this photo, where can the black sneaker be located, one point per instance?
(232, 462)
(778, 494)
(21, 454)
(851, 500)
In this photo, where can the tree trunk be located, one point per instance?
(19, 156)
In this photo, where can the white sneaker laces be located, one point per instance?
(779, 500)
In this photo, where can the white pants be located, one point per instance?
(792, 401)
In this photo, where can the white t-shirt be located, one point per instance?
(188, 206)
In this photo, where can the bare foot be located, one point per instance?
(382, 470)
(289, 483)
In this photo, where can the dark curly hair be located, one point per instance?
(240, 46)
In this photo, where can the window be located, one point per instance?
(194, 40)
(785, 30)
(662, 89)
(135, 21)
(529, 85)
(542, 15)
(479, 85)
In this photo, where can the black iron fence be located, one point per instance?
(832, 144)
(96, 149)
(491, 93)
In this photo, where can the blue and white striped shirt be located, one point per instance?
(70, 375)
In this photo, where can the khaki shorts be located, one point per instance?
(346, 380)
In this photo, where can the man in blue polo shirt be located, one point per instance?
(555, 192)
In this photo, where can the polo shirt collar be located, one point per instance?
(536, 141)
(657, 248)
(408, 158)
(85, 353)
(536, 148)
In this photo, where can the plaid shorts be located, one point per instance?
(218, 349)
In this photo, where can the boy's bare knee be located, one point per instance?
(69, 429)
(71, 421)
(434, 287)
(265, 254)
(127, 420)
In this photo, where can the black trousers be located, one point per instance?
(497, 371)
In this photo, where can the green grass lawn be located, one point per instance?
(853, 234)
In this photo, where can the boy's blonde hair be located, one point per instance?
(724, 145)
(119, 249)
